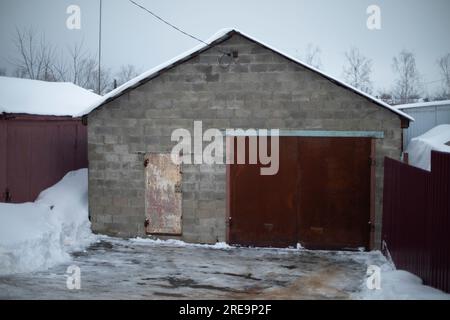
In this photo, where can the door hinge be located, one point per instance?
(178, 188)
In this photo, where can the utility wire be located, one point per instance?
(168, 23)
(434, 81)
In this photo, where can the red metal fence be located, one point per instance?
(416, 218)
(36, 152)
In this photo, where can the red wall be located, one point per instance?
(416, 218)
(36, 152)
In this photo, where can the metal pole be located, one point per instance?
(99, 47)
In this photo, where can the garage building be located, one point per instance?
(333, 139)
(40, 140)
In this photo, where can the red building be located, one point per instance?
(40, 139)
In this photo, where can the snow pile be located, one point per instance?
(401, 285)
(43, 97)
(179, 243)
(419, 149)
(38, 235)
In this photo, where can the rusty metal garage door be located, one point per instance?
(319, 198)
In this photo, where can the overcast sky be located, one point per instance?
(132, 36)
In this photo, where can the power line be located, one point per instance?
(434, 81)
(166, 22)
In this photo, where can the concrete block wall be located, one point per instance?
(259, 89)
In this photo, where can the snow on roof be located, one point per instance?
(216, 38)
(419, 149)
(43, 98)
(423, 104)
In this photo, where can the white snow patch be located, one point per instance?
(419, 149)
(395, 284)
(423, 104)
(38, 235)
(179, 243)
(43, 97)
(400, 285)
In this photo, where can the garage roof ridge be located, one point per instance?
(217, 38)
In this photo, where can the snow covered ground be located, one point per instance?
(36, 236)
(419, 149)
(40, 240)
(146, 269)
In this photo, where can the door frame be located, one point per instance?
(374, 135)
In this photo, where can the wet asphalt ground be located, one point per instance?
(126, 269)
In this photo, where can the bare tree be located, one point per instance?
(37, 59)
(358, 70)
(126, 72)
(311, 56)
(81, 68)
(3, 72)
(444, 68)
(35, 56)
(385, 96)
(106, 83)
(407, 87)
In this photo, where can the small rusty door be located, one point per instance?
(162, 195)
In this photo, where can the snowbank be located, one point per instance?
(38, 235)
(400, 285)
(419, 149)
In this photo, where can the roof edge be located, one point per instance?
(217, 38)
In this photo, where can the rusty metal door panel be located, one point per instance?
(163, 195)
(334, 193)
(263, 209)
(320, 196)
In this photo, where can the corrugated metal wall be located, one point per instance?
(426, 119)
(35, 153)
(416, 218)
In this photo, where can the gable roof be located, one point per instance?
(219, 37)
(37, 97)
(423, 104)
